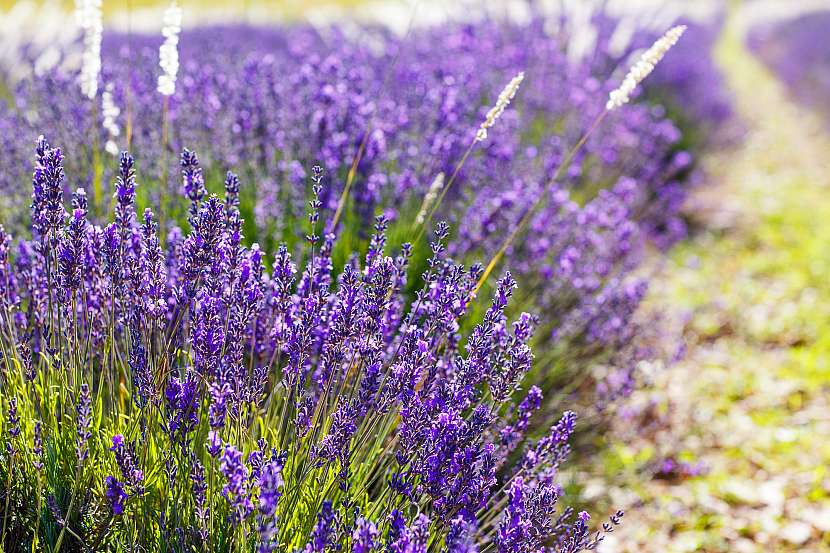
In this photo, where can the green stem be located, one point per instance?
(437, 203)
(8, 496)
(66, 518)
(39, 504)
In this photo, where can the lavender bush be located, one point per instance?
(418, 99)
(275, 101)
(177, 395)
(798, 54)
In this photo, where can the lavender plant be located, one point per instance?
(177, 395)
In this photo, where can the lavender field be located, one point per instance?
(401, 277)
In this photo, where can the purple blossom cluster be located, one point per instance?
(279, 100)
(191, 398)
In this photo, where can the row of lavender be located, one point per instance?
(162, 387)
(270, 104)
(797, 51)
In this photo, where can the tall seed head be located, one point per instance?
(503, 101)
(88, 16)
(431, 194)
(644, 66)
(110, 113)
(169, 50)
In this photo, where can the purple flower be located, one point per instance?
(47, 184)
(71, 249)
(461, 536)
(199, 487)
(219, 394)
(553, 448)
(408, 539)
(302, 420)
(513, 433)
(125, 195)
(208, 336)
(231, 193)
(270, 491)
(8, 284)
(335, 445)
(143, 385)
(201, 249)
(236, 489)
(154, 275)
(112, 255)
(322, 536)
(527, 519)
(214, 443)
(83, 422)
(192, 180)
(115, 495)
(13, 419)
(182, 401)
(132, 476)
(364, 536)
(577, 536)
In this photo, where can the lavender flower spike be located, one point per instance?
(83, 421)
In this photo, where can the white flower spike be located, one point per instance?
(88, 16)
(503, 101)
(644, 66)
(110, 113)
(169, 50)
